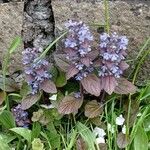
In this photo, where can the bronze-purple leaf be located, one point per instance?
(124, 87)
(109, 83)
(122, 140)
(61, 61)
(93, 54)
(102, 146)
(69, 105)
(92, 84)
(30, 100)
(123, 65)
(2, 96)
(72, 70)
(48, 86)
(93, 109)
(86, 61)
(97, 63)
(80, 144)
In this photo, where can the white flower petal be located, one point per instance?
(120, 120)
(139, 114)
(110, 128)
(53, 97)
(48, 106)
(124, 129)
(100, 140)
(99, 131)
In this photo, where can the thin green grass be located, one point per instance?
(15, 43)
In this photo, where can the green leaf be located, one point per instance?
(3, 145)
(24, 132)
(87, 135)
(7, 138)
(71, 86)
(36, 129)
(141, 139)
(37, 144)
(7, 119)
(53, 136)
(54, 73)
(25, 89)
(10, 85)
(14, 45)
(61, 79)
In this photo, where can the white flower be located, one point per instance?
(139, 114)
(120, 120)
(110, 128)
(99, 132)
(48, 106)
(124, 129)
(53, 97)
(100, 140)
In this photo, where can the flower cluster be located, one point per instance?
(100, 135)
(21, 116)
(36, 71)
(112, 51)
(78, 46)
(120, 122)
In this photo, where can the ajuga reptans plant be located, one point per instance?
(112, 51)
(77, 49)
(37, 71)
(102, 71)
(21, 116)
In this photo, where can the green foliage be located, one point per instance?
(25, 133)
(87, 135)
(3, 145)
(7, 119)
(141, 139)
(61, 79)
(68, 122)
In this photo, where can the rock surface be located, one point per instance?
(126, 18)
(11, 21)
(38, 28)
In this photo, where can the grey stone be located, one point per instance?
(130, 19)
(11, 21)
(38, 28)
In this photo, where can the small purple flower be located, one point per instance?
(21, 116)
(77, 47)
(36, 71)
(79, 37)
(77, 95)
(84, 73)
(112, 51)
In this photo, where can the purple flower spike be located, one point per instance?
(77, 47)
(21, 116)
(112, 51)
(36, 72)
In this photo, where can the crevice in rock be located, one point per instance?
(38, 27)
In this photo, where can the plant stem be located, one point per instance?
(103, 96)
(107, 19)
(49, 47)
(139, 65)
